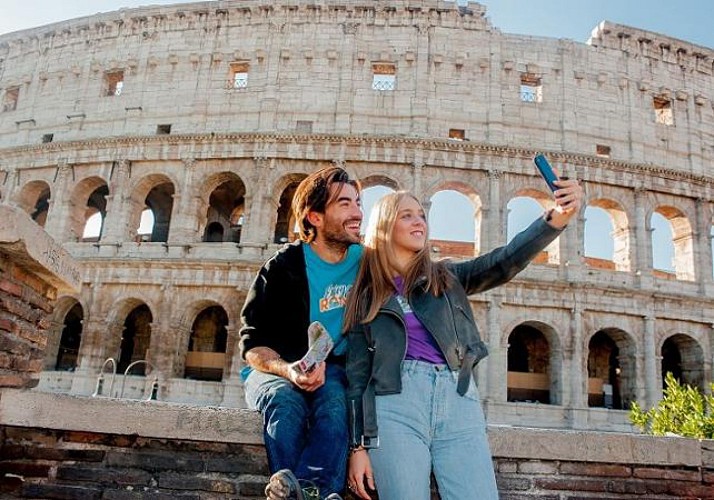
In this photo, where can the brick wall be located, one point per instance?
(33, 268)
(140, 449)
(25, 304)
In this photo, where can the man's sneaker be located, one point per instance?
(333, 496)
(283, 485)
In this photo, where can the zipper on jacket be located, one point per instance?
(354, 424)
(459, 349)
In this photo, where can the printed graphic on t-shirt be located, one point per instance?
(335, 297)
(404, 304)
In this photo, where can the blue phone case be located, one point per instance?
(546, 171)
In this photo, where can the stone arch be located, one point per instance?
(154, 192)
(284, 221)
(130, 332)
(64, 339)
(611, 362)
(619, 258)
(207, 342)
(34, 198)
(682, 242)
(444, 200)
(534, 359)
(525, 206)
(223, 195)
(89, 197)
(373, 188)
(684, 357)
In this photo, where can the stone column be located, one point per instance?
(256, 222)
(423, 77)
(642, 236)
(653, 382)
(572, 244)
(54, 336)
(185, 212)
(116, 225)
(61, 204)
(233, 394)
(345, 94)
(493, 220)
(497, 347)
(578, 376)
(703, 244)
(417, 179)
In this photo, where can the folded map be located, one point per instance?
(319, 347)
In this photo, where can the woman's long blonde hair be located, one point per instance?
(375, 279)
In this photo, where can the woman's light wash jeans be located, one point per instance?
(428, 425)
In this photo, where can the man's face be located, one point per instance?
(340, 224)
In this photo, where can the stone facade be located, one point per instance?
(208, 114)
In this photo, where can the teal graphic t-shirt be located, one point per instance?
(329, 285)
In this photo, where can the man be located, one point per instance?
(304, 414)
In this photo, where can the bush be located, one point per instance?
(683, 411)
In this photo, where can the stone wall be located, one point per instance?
(33, 270)
(64, 447)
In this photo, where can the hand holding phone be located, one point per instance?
(546, 171)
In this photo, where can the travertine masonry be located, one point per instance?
(215, 161)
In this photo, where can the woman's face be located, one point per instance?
(409, 233)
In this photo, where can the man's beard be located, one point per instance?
(338, 237)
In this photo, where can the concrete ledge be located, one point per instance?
(23, 408)
(588, 446)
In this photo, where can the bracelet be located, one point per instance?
(357, 449)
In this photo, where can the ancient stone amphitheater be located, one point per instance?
(161, 147)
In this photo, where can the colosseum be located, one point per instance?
(161, 147)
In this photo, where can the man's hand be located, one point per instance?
(310, 381)
(267, 360)
(569, 200)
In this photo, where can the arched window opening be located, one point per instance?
(611, 370)
(160, 201)
(285, 224)
(369, 196)
(672, 244)
(226, 205)
(146, 225)
(95, 213)
(454, 224)
(599, 243)
(214, 232)
(522, 211)
(683, 357)
(41, 208)
(205, 358)
(135, 339)
(70, 339)
(529, 358)
(93, 227)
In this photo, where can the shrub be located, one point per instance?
(683, 411)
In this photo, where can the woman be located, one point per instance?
(413, 344)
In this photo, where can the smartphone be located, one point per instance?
(546, 171)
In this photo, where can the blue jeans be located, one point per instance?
(429, 426)
(305, 432)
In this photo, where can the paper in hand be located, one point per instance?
(319, 347)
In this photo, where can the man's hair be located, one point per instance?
(313, 195)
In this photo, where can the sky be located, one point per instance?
(688, 20)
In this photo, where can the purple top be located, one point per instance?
(420, 343)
